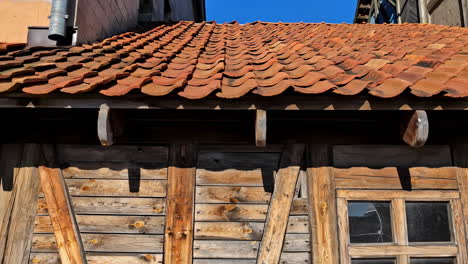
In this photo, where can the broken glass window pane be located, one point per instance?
(369, 222)
(428, 222)
(373, 261)
(432, 261)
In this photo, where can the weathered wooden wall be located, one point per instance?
(19, 186)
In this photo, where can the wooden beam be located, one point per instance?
(260, 128)
(416, 130)
(61, 213)
(17, 226)
(322, 215)
(178, 244)
(280, 205)
(287, 102)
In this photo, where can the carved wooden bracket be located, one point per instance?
(109, 125)
(260, 128)
(416, 130)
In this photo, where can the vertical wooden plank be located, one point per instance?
(180, 205)
(399, 222)
(260, 128)
(459, 230)
(10, 159)
(322, 200)
(343, 226)
(462, 177)
(399, 227)
(21, 222)
(61, 213)
(280, 205)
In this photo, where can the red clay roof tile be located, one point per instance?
(196, 59)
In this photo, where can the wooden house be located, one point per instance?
(215, 143)
(443, 12)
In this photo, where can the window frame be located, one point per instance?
(401, 249)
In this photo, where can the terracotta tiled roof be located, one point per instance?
(231, 60)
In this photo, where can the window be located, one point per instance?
(399, 227)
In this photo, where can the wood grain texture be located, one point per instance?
(115, 170)
(118, 243)
(10, 161)
(322, 215)
(260, 128)
(66, 232)
(230, 212)
(385, 195)
(229, 230)
(225, 249)
(112, 205)
(234, 194)
(108, 224)
(100, 258)
(459, 230)
(393, 178)
(416, 130)
(105, 187)
(280, 205)
(343, 230)
(20, 224)
(237, 169)
(178, 244)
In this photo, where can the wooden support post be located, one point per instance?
(260, 128)
(178, 244)
(66, 231)
(416, 130)
(322, 215)
(17, 218)
(109, 125)
(280, 205)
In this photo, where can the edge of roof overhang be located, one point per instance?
(283, 102)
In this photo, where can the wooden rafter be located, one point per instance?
(280, 205)
(66, 232)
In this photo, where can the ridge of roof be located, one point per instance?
(230, 60)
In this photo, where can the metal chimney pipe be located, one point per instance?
(58, 20)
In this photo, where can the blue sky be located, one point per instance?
(244, 11)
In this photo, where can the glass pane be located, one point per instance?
(369, 222)
(428, 222)
(373, 261)
(432, 261)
